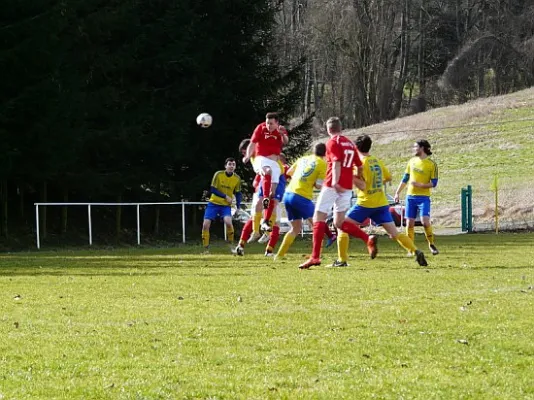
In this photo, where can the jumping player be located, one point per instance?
(266, 145)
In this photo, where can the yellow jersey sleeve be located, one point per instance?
(421, 171)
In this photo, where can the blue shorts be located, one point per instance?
(379, 215)
(215, 210)
(417, 203)
(298, 207)
(280, 189)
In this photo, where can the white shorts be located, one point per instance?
(260, 162)
(328, 198)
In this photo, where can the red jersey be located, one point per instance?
(341, 149)
(267, 143)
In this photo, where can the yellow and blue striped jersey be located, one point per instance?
(375, 174)
(307, 171)
(422, 171)
(228, 185)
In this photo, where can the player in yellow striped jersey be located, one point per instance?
(372, 203)
(421, 176)
(224, 185)
(307, 174)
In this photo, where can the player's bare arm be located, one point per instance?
(336, 173)
(399, 190)
(251, 148)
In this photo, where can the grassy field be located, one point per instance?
(472, 143)
(173, 324)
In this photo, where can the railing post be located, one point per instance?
(138, 226)
(469, 208)
(37, 227)
(90, 225)
(464, 210)
(183, 222)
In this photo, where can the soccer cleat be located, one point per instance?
(420, 258)
(310, 263)
(433, 249)
(255, 236)
(266, 202)
(330, 241)
(266, 226)
(264, 238)
(338, 263)
(238, 251)
(206, 251)
(269, 253)
(371, 246)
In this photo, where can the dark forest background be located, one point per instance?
(98, 99)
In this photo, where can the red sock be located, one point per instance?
(247, 231)
(268, 212)
(266, 185)
(319, 229)
(328, 233)
(354, 230)
(275, 234)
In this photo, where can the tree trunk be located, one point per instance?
(42, 214)
(156, 222)
(64, 211)
(118, 219)
(3, 208)
(21, 202)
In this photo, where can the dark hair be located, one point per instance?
(363, 143)
(334, 123)
(425, 145)
(244, 144)
(320, 149)
(272, 115)
(229, 159)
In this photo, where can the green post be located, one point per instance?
(464, 210)
(469, 209)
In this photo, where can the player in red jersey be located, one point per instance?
(341, 157)
(266, 145)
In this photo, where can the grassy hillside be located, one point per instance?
(472, 143)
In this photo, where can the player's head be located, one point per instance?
(333, 126)
(271, 121)
(320, 150)
(229, 165)
(422, 147)
(363, 143)
(243, 146)
(283, 158)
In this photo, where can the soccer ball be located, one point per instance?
(204, 120)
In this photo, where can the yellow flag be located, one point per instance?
(495, 184)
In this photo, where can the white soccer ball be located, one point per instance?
(204, 120)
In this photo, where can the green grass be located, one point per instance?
(172, 324)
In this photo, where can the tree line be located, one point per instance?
(98, 98)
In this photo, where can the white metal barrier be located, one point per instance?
(137, 205)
